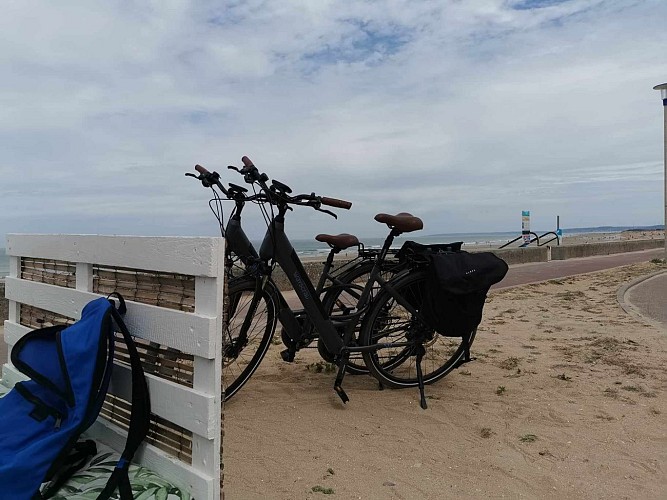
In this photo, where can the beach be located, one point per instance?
(566, 399)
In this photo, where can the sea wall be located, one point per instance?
(509, 255)
(605, 248)
(515, 256)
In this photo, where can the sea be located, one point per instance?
(312, 248)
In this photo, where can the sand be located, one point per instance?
(565, 400)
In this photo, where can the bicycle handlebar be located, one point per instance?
(252, 175)
(201, 170)
(334, 202)
(247, 162)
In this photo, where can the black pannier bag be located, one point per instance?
(413, 251)
(456, 289)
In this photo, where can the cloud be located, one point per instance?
(463, 113)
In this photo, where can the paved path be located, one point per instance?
(647, 297)
(522, 274)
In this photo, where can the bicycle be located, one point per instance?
(375, 318)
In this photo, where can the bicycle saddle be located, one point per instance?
(403, 222)
(341, 241)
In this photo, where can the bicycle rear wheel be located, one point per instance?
(390, 322)
(242, 355)
(342, 299)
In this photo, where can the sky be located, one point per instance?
(462, 112)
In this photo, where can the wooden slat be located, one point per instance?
(193, 256)
(193, 410)
(161, 433)
(160, 361)
(191, 333)
(14, 331)
(208, 373)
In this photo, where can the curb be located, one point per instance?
(630, 308)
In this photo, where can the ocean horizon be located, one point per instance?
(312, 248)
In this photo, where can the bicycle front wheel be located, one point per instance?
(391, 323)
(243, 352)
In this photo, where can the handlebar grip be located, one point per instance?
(333, 202)
(201, 170)
(246, 161)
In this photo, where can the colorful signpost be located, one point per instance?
(525, 226)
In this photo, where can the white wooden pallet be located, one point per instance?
(196, 409)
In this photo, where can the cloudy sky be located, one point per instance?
(463, 112)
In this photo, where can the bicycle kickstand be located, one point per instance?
(338, 384)
(420, 376)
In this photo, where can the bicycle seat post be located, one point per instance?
(387, 243)
(327, 267)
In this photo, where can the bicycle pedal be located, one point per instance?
(288, 355)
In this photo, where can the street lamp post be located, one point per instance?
(663, 94)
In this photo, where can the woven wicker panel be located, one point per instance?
(162, 434)
(34, 317)
(169, 290)
(163, 362)
(52, 272)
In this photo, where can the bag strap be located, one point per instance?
(81, 453)
(139, 418)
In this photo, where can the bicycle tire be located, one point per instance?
(388, 321)
(240, 362)
(343, 300)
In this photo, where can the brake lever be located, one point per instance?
(327, 212)
(232, 167)
(188, 174)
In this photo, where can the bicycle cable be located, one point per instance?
(218, 211)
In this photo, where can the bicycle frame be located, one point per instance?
(277, 247)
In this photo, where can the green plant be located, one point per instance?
(323, 490)
(486, 432)
(528, 438)
(321, 366)
(510, 363)
(500, 390)
(90, 481)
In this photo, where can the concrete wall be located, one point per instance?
(605, 248)
(509, 255)
(515, 256)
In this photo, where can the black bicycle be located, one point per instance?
(385, 326)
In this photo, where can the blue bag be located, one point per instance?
(41, 419)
